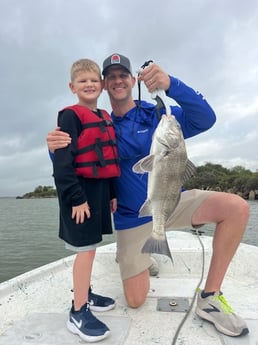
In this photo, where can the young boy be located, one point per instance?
(83, 173)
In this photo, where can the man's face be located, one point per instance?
(119, 83)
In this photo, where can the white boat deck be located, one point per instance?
(34, 306)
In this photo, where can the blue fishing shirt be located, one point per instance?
(134, 133)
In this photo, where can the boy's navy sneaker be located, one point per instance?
(86, 325)
(100, 303)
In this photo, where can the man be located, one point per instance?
(135, 123)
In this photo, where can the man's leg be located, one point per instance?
(228, 211)
(230, 214)
(133, 264)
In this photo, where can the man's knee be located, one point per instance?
(135, 301)
(136, 289)
(240, 206)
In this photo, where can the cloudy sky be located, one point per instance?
(210, 45)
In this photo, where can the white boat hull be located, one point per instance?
(34, 306)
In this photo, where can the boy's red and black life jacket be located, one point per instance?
(97, 155)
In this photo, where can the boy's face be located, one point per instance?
(87, 85)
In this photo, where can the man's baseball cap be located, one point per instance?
(116, 59)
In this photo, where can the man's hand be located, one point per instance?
(57, 140)
(113, 205)
(154, 78)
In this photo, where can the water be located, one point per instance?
(29, 234)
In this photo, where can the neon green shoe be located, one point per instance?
(216, 309)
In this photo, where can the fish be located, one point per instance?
(168, 167)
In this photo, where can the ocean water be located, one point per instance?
(29, 234)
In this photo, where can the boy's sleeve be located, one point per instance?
(112, 189)
(66, 180)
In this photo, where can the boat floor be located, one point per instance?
(34, 306)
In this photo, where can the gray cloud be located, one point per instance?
(209, 45)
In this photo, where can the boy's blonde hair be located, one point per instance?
(84, 65)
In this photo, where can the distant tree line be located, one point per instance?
(237, 180)
(40, 192)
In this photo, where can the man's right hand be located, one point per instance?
(155, 78)
(57, 140)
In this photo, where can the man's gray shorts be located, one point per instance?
(130, 241)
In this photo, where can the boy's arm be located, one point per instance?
(66, 180)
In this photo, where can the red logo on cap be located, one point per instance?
(115, 59)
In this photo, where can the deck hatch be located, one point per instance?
(177, 304)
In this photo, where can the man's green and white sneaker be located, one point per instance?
(216, 309)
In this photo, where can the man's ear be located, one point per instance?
(133, 80)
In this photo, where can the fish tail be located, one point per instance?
(153, 245)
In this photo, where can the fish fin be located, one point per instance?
(190, 171)
(145, 209)
(144, 165)
(157, 246)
